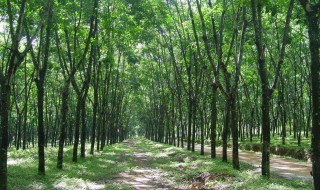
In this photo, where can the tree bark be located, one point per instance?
(76, 132)
(83, 130)
(5, 99)
(40, 86)
(64, 123)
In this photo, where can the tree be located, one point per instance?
(9, 67)
(312, 16)
(41, 68)
(263, 73)
(68, 79)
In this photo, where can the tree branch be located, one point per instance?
(283, 47)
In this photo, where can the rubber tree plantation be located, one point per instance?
(92, 89)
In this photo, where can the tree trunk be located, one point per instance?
(94, 122)
(190, 108)
(263, 73)
(225, 133)
(234, 130)
(4, 133)
(314, 45)
(83, 130)
(213, 121)
(76, 132)
(41, 137)
(64, 123)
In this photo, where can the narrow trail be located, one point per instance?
(142, 176)
(279, 166)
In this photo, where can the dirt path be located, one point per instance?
(142, 176)
(280, 167)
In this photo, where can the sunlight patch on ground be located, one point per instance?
(109, 153)
(149, 154)
(36, 185)
(158, 145)
(165, 154)
(142, 178)
(76, 183)
(12, 162)
(106, 161)
(170, 149)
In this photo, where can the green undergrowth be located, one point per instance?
(179, 168)
(93, 172)
(289, 149)
(202, 172)
(290, 142)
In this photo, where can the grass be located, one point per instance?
(181, 169)
(93, 172)
(289, 150)
(290, 142)
(184, 166)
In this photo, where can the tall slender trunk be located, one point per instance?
(263, 73)
(194, 123)
(265, 127)
(213, 134)
(190, 108)
(225, 133)
(202, 122)
(99, 131)
(314, 45)
(94, 122)
(4, 133)
(76, 132)
(83, 129)
(64, 123)
(40, 92)
(41, 137)
(234, 131)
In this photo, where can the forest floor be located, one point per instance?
(142, 164)
(279, 166)
(142, 176)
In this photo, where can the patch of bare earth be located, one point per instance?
(210, 181)
(280, 167)
(142, 176)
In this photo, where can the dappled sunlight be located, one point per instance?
(21, 161)
(164, 154)
(141, 178)
(37, 185)
(109, 153)
(170, 149)
(206, 180)
(104, 161)
(140, 166)
(149, 154)
(280, 166)
(76, 183)
(158, 145)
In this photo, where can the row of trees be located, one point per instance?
(65, 76)
(176, 71)
(243, 69)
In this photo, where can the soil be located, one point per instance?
(142, 176)
(279, 167)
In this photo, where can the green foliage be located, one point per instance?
(148, 70)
